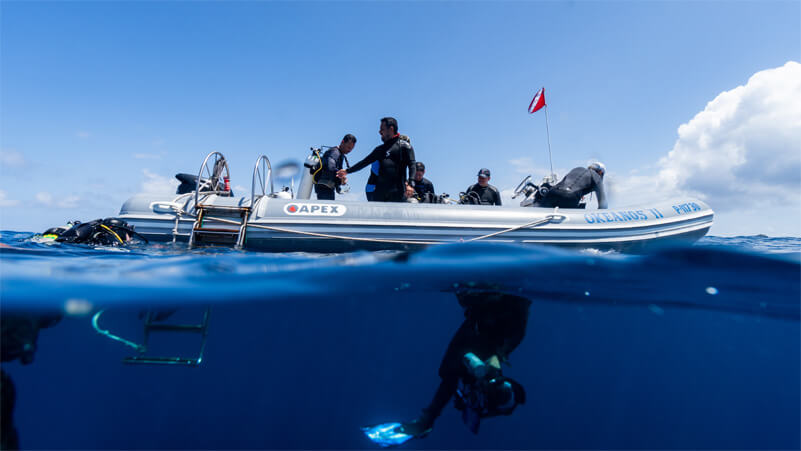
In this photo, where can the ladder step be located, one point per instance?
(210, 208)
(214, 230)
(177, 327)
(161, 360)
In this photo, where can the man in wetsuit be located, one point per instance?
(578, 182)
(494, 325)
(327, 180)
(423, 189)
(484, 192)
(387, 182)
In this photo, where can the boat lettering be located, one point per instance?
(688, 207)
(315, 209)
(616, 216)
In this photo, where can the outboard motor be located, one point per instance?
(311, 165)
(188, 183)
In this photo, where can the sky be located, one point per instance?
(103, 100)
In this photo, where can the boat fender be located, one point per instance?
(165, 207)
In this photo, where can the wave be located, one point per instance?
(725, 274)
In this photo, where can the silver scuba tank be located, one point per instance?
(307, 179)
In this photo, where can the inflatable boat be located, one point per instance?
(204, 212)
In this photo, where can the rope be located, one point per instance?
(538, 222)
(323, 235)
(545, 220)
(95, 324)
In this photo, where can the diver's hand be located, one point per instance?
(419, 427)
(409, 191)
(342, 173)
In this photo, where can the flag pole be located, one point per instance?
(548, 133)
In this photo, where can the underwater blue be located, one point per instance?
(685, 347)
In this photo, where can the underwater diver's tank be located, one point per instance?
(306, 180)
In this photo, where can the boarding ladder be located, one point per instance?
(225, 224)
(155, 322)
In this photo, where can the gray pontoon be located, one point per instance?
(285, 221)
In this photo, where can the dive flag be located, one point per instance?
(537, 102)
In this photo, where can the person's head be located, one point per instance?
(421, 170)
(120, 228)
(388, 128)
(484, 177)
(347, 144)
(598, 167)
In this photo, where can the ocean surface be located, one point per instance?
(685, 347)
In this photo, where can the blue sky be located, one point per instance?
(101, 100)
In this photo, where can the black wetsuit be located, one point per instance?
(569, 191)
(389, 178)
(103, 232)
(327, 181)
(495, 324)
(488, 195)
(423, 188)
(19, 334)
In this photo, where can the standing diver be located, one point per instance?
(328, 183)
(578, 182)
(494, 325)
(387, 182)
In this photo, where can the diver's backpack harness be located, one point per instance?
(104, 232)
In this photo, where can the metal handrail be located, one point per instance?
(211, 174)
(257, 172)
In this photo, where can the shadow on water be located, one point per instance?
(685, 348)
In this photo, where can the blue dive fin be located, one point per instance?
(386, 434)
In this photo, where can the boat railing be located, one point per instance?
(262, 172)
(214, 180)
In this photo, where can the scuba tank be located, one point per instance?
(313, 165)
(474, 365)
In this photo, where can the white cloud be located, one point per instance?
(742, 151)
(69, 202)
(47, 200)
(158, 184)
(44, 198)
(11, 158)
(526, 166)
(5, 201)
(146, 156)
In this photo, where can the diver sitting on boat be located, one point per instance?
(494, 325)
(578, 182)
(102, 232)
(387, 182)
(423, 189)
(482, 193)
(327, 180)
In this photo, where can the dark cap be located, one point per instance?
(420, 166)
(484, 172)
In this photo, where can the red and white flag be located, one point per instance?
(537, 102)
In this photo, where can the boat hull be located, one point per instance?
(287, 225)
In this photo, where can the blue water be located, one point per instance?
(692, 347)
